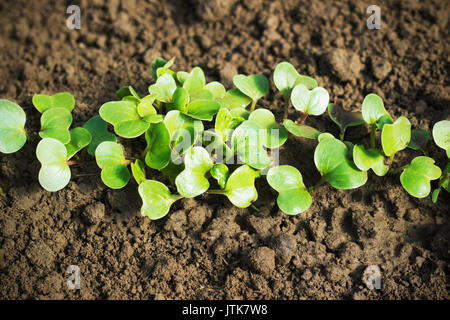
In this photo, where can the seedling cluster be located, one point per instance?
(202, 138)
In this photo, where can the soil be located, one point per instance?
(206, 248)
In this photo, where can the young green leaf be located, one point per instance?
(240, 113)
(55, 172)
(248, 139)
(156, 198)
(396, 136)
(234, 98)
(43, 102)
(419, 139)
(138, 171)
(110, 158)
(301, 130)
(164, 88)
(220, 172)
(343, 118)
(156, 64)
(225, 123)
(12, 127)
(145, 106)
(331, 160)
(184, 131)
(369, 159)
(79, 138)
(416, 177)
(240, 187)
(202, 109)
(276, 134)
(215, 145)
(288, 182)
(125, 118)
(123, 92)
(312, 102)
(158, 146)
(255, 86)
(217, 90)
(441, 135)
(192, 182)
(172, 170)
(55, 123)
(98, 128)
(196, 73)
(373, 109)
(286, 78)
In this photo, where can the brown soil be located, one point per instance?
(205, 248)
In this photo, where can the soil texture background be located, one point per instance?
(205, 248)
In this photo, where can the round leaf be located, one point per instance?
(79, 138)
(240, 188)
(370, 159)
(276, 134)
(254, 86)
(344, 119)
(313, 102)
(396, 136)
(217, 90)
(98, 128)
(156, 198)
(202, 109)
(54, 173)
(234, 98)
(416, 177)
(220, 172)
(419, 139)
(110, 158)
(441, 135)
(12, 127)
(164, 88)
(285, 77)
(138, 171)
(301, 130)
(373, 108)
(158, 146)
(43, 102)
(55, 123)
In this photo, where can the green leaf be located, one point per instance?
(172, 170)
(196, 73)
(157, 199)
(184, 131)
(43, 102)
(55, 123)
(416, 177)
(145, 106)
(285, 77)
(441, 135)
(301, 130)
(308, 82)
(138, 171)
(419, 139)
(192, 182)
(54, 173)
(217, 90)
(435, 195)
(248, 139)
(158, 146)
(79, 138)
(225, 123)
(313, 102)
(124, 116)
(98, 128)
(234, 98)
(240, 187)
(216, 146)
(164, 88)
(240, 113)
(202, 109)
(276, 134)
(331, 160)
(12, 127)
(181, 99)
(370, 159)
(293, 197)
(373, 108)
(110, 158)
(123, 92)
(386, 119)
(220, 172)
(156, 64)
(255, 86)
(344, 119)
(396, 136)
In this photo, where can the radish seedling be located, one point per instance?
(276, 135)
(138, 171)
(234, 98)
(416, 177)
(301, 130)
(79, 139)
(110, 158)
(220, 172)
(164, 88)
(369, 159)
(395, 136)
(156, 198)
(344, 119)
(55, 123)
(158, 151)
(419, 139)
(254, 86)
(98, 128)
(375, 115)
(12, 127)
(43, 102)
(309, 102)
(441, 135)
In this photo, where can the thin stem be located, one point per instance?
(71, 162)
(342, 135)
(287, 104)
(254, 207)
(372, 136)
(252, 107)
(397, 170)
(215, 191)
(303, 118)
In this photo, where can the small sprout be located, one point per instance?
(184, 131)
(55, 123)
(157, 152)
(310, 102)
(12, 127)
(293, 197)
(441, 135)
(191, 182)
(444, 183)
(216, 89)
(165, 69)
(286, 78)
(55, 172)
(220, 172)
(419, 139)
(331, 160)
(43, 102)
(79, 138)
(373, 109)
(156, 64)
(240, 187)
(156, 198)
(98, 128)
(276, 134)
(248, 140)
(164, 88)
(200, 109)
(214, 144)
(255, 86)
(196, 77)
(234, 98)
(110, 158)
(125, 118)
(301, 130)
(138, 171)
(396, 137)
(343, 118)
(226, 123)
(416, 177)
(369, 159)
